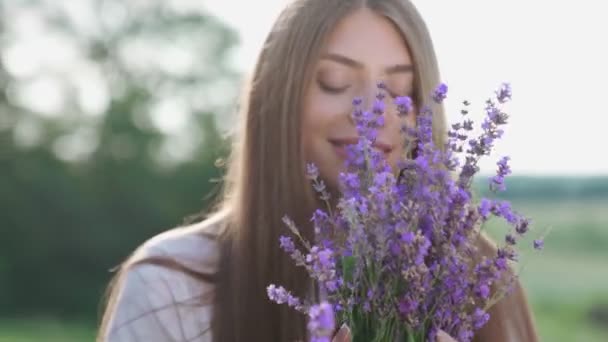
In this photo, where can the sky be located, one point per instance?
(552, 53)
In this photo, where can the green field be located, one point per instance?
(567, 282)
(45, 330)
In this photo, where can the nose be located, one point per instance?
(371, 94)
(367, 96)
(377, 91)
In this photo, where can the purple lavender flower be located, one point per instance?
(539, 244)
(495, 114)
(503, 166)
(287, 244)
(280, 295)
(380, 121)
(407, 306)
(504, 93)
(465, 334)
(522, 226)
(378, 107)
(425, 128)
(501, 263)
(407, 237)
(503, 209)
(404, 104)
(507, 252)
(321, 221)
(510, 239)
(312, 172)
(440, 93)
(497, 182)
(483, 291)
(399, 247)
(485, 207)
(321, 322)
(350, 184)
(467, 125)
(321, 266)
(480, 318)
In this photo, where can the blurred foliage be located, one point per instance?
(85, 182)
(550, 187)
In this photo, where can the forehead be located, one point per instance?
(369, 38)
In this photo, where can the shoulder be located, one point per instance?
(160, 294)
(194, 246)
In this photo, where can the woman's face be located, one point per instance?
(363, 49)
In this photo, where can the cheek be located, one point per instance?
(324, 116)
(397, 138)
(321, 113)
(326, 108)
(312, 122)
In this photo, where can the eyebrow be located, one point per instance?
(393, 69)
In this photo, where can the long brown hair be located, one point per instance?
(266, 170)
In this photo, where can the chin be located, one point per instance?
(330, 175)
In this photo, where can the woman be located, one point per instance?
(206, 281)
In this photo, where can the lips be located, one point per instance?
(341, 143)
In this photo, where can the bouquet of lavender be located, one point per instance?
(397, 258)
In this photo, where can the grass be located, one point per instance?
(563, 289)
(564, 282)
(566, 322)
(45, 329)
(568, 278)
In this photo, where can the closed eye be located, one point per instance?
(332, 90)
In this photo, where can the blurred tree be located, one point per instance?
(108, 135)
